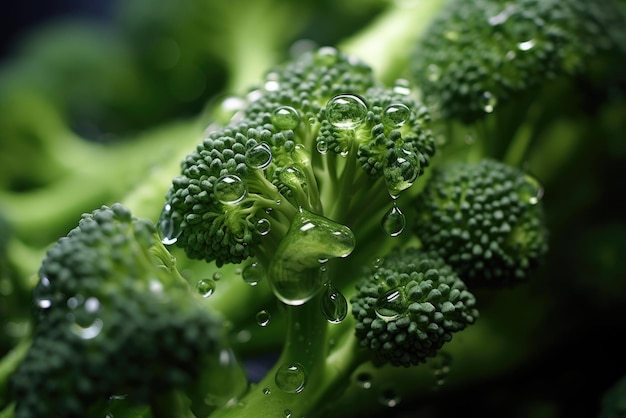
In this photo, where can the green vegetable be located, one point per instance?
(313, 231)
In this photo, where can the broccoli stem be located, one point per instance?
(8, 364)
(41, 215)
(387, 40)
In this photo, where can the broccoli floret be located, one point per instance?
(485, 219)
(242, 186)
(114, 318)
(408, 307)
(479, 55)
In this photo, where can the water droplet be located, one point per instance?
(271, 85)
(401, 171)
(287, 413)
(402, 86)
(326, 56)
(293, 178)
(322, 147)
(229, 189)
(441, 368)
(393, 221)
(346, 111)
(396, 114)
(83, 316)
(389, 398)
(377, 262)
(532, 190)
(266, 391)
(217, 276)
(390, 305)
(205, 287)
(155, 286)
(526, 45)
(433, 73)
(168, 227)
(291, 378)
(285, 117)
(40, 293)
(259, 156)
(488, 102)
(253, 273)
(503, 16)
(364, 380)
(87, 331)
(263, 226)
(263, 318)
(333, 304)
(294, 272)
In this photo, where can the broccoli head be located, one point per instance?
(485, 219)
(478, 55)
(113, 318)
(407, 308)
(318, 135)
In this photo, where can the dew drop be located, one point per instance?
(326, 56)
(285, 117)
(87, 331)
(396, 114)
(393, 221)
(364, 380)
(503, 16)
(259, 156)
(377, 262)
(168, 227)
(488, 101)
(217, 276)
(346, 111)
(83, 316)
(291, 378)
(532, 190)
(287, 413)
(205, 287)
(263, 318)
(333, 304)
(294, 272)
(266, 391)
(263, 226)
(526, 45)
(441, 368)
(390, 305)
(389, 398)
(401, 171)
(322, 147)
(229, 189)
(40, 293)
(253, 273)
(401, 86)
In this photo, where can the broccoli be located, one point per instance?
(484, 219)
(509, 70)
(111, 312)
(351, 227)
(320, 136)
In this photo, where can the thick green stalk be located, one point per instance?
(296, 381)
(386, 42)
